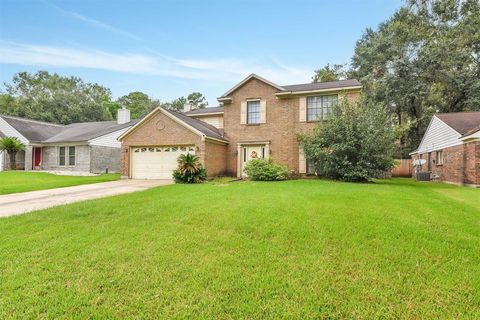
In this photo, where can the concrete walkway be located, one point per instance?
(18, 203)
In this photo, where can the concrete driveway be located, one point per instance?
(18, 203)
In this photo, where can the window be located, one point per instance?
(253, 112)
(61, 156)
(310, 166)
(439, 157)
(71, 156)
(65, 153)
(320, 107)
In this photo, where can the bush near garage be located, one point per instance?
(189, 170)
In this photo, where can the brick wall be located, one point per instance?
(102, 158)
(281, 128)
(82, 159)
(161, 130)
(461, 164)
(215, 159)
(19, 160)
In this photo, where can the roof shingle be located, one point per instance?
(204, 111)
(38, 131)
(462, 122)
(205, 128)
(322, 85)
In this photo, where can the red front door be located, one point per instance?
(37, 157)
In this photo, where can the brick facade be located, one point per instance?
(461, 163)
(280, 129)
(161, 130)
(278, 133)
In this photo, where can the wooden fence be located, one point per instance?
(403, 168)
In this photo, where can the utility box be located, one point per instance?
(423, 176)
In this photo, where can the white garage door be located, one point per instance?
(157, 162)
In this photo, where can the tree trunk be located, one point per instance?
(13, 163)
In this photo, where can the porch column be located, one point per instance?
(28, 158)
(239, 160)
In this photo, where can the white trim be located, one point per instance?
(472, 137)
(10, 131)
(316, 91)
(241, 83)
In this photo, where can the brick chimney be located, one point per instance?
(123, 115)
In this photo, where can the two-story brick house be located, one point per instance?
(259, 119)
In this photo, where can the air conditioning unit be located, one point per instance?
(423, 176)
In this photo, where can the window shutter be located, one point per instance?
(302, 162)
(243, 112)
(303, 109)
(263, 111)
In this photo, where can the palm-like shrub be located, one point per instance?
(12, 146)
(189, 170)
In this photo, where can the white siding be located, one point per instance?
(438, 136)
(109, 140)
(216, 121)
(10, 131)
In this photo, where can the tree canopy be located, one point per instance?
(54, 98)
(330, 73)
(423, 60)
(138, 103)
(59, 99)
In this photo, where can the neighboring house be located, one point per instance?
(85, 147)
(451, 148)
(259, 119)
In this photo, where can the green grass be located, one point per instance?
(249, 250)
(23, 181)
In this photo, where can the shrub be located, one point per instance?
(189, 170)
(355, 144)
(265, 170)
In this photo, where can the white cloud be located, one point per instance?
(102, 25)
(96, 23)
(151, 64)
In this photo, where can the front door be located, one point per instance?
(251, 152)
(37, 158)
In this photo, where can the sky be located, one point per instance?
(169, 49)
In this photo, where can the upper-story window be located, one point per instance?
(320, 107)
(253, 112)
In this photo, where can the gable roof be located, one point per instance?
(462, 122)
(322, 85)
(45, 132)
(88, 130)
(204, 111)
(297, 88)
(251, 76)
(33, 130)
(205, 128)
(199, 127)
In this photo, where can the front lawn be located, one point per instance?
(22, 181)
(295, 250)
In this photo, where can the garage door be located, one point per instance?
(157, 162)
